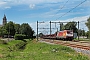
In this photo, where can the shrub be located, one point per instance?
(19, 36)
(26, 37)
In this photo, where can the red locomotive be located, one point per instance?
(65, 35)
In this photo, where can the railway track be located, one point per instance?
(86, 47)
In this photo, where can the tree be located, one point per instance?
(61, 26)
(3, 31)
(10, 28)
(17, 28)
(88, 25)
(87, 34)
(71, 26)
(81, 32)
(27, 30)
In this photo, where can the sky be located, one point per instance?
(31, 11)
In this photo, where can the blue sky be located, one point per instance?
(29, 11)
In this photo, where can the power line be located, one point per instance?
(62, 7)
(72, 9)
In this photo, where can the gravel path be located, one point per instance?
(81, 50)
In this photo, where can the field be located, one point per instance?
(32, 50)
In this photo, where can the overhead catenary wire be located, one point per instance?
(62, 7)
(72, 9)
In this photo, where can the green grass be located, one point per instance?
(82, 39)
(39, 51)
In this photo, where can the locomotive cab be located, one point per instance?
(66, 35)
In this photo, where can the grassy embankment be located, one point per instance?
(32, 50)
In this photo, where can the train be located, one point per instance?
(64, 35)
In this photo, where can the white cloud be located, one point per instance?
(32, 6)
(30, 3)
(83, 18)
(33, 3)
(2, 3)
(7, 7)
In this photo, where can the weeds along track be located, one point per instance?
(69, 43)
(77, 46)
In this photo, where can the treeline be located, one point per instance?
(11, 29)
